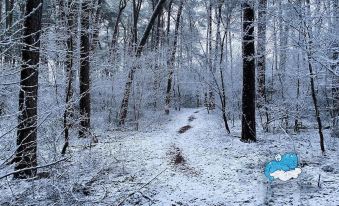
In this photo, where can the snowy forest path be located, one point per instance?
(203, 164)
(216, 163)
(210, 167)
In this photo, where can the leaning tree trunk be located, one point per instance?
(171, 61)
(26, 157)
(248, 133)
(130, 78)
(84, 78)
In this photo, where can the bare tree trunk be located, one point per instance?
(262, 51)
(315, 103)
(122, 6)
(128, 85)
(1, 48)
(26, 156)
(0, 11)
(171, 60)
(335, 66)
(261, 60)
(168, 26)
(136, 14)
(95, 38)
(220, 54)
(248, 133)
(9, 4)
(69, 78)
(223, 88)
(84, 78)
(309, 44)
(9, 13)
(283, 35)
(210, 63)
(157, 65)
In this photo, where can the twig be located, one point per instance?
(132, 193)
(31, 168)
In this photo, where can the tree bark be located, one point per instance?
(335, 66)
(69, 78)
(122, 6)
(210, 62)
(26, 156)
(9, 13)
(84, 78)
(136, 14)
(219, 54)
(262, 50)
(9, 4)
(283, 41)
(315, 103)
(95, 38)
(0, 11)
(248, 133)
(309, 45)
(261, 61)
(171, 60)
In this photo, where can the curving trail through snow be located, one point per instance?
(201, 166)
(213, 173)
(218, 169)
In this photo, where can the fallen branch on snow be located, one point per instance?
(38, 167)
(138, 190)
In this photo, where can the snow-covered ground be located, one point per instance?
(201, 166)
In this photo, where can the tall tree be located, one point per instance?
(248, 133)
(0, 47)
(122, 6)
(68, 15)
(335, 65)
(261, 50)
(136, 14)
(0, 11)
(9, 4)
(283, 41)
(130, 78)
(9, 13)
(309, 47)
(96, 24)
(171, 60)
(84, 78)
(210, 62)
(26, 157)
(220, 54)
(261, 60)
